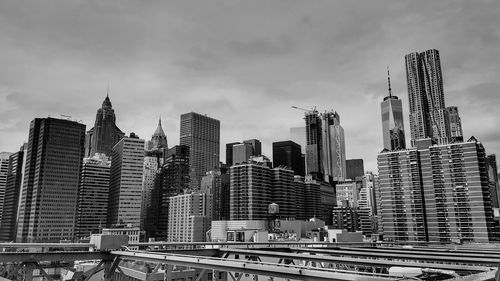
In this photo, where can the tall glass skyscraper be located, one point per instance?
(202, 134)
(426, 97)
(50, 187)
(393, 130)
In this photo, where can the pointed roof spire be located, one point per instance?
(389, 81)
(107, 103)
(107, 92)
(159, 130)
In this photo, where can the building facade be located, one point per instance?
(217, 184)
(92, 203)
(428, 114)
(4, 167)
(13, 186)
(455, 123)
(435, 193)
(334, 161)
(355, 169)
(202, 134)
(288, 154)
(105, 134)
(188, 219)
(125, 182)
(50, 186)
(393, 130)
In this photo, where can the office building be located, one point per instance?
(242, 153)
(125, 182)
(229, 153)
(347, 191)
(355, 169)
(491, 162)
(288, 154)
(314, 145)
(201, 133)
(172, 180)
(256, 146)
(428, 114)
(308, 198)
(11, 197)
(455, 123)
(92, 203)
(50, 186)
(153, 161)
(105, 134)
(4, 167)
(435, 193)
(188, 219)
(217, 184)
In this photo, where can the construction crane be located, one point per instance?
(303, 109)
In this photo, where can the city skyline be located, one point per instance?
(171, 58)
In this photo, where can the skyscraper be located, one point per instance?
(125, 182)
(50, 186)
(455, 123)
(283, 191)
(333, 147)
(92, 203)
(298, 135)
(242, 152)
(158, 139)
(426, 97)
(288, 153)
(11, 198)
(201, 133)
(105, 134)
(314, 144)
(354, 168)
(4, 167)
(229, 153)
(172, 180)
(217, 184)
(393, 130)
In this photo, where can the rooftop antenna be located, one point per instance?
(389, 82)
(107, 92)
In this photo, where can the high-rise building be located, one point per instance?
(4, 167)
(426, 97)
(153, 161)
(354, 169)
(393, 130)
(229, 153)
(455, 123)
(201, 133)
(288, 154)
(125, 182)
(347, 191)
(217, 184)
(242, 152)
(250, 191)
(11, 198)
(314, 145)
(256, 146)
(188, 219)
(435, 193)
(491, 162)
(333, 148)
(92, 203)
(283, 192)
(105, 134)
(50, 186)
(172, 180)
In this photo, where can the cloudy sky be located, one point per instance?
(242, 62)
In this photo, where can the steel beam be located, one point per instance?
(352, 261)
(433, 252)
(257, 268)
(402, 256)
(52, 256)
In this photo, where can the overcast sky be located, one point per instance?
(244, 63)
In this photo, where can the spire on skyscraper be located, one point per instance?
(159, 138)
(389, 82)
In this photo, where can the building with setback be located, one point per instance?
(435, 193)
(105, 134)
(92, 203)
(13, 186)
(50, 186)
(172, 180)
(288, 154)
(125, 182)
(201, 133)
(217, 184)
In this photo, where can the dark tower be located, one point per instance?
(105, 134)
